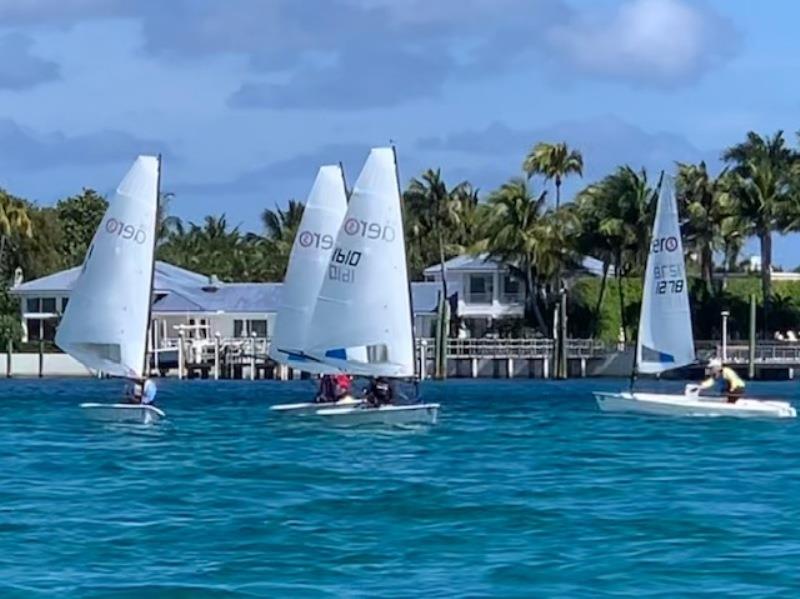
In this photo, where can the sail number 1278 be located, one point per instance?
(669, 286)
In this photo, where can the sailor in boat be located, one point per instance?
(327, 389)
(379, 393)
(731, 385)
(334, 388)
(143, 392)
(342, 384)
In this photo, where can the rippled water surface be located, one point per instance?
(522, 490)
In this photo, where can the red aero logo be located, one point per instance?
(307, 239)
(665, 244)
(362, 228)
(120, 229)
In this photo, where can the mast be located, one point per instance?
(347, 191)
(635, 367)
(405, 252)
(145, 365)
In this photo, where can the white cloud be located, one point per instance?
(662, 43)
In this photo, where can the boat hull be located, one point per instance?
(126, 413)
(310, 408)
(658, 404)
(388, 415)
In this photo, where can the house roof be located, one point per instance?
(479, 262)
(167, 277)
(482, 263)
(181, 291)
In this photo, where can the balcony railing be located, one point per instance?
(478, 298)
(512, 298)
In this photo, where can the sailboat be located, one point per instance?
(362, 320)
(105, 325)
(665, 340)
(308, 264)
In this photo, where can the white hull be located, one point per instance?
(687, 405)
(129, 413)
(391, 415)
(310, 408)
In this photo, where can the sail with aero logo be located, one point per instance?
(665, 327)
(308, 265)
(107, 318)
(362, 318)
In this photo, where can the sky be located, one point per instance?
(245, 99)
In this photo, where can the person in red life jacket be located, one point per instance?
(342, 384)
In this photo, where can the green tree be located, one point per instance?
(704, 205)
(79, 215)
(512, 235)
(435, 214)
(280, 228)
(40, 254)
(554, 161)
(762, 189)
(14, 220)
(621, 207)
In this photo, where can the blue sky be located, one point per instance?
(246, 98)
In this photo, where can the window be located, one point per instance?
(244, 328)
(34, 329)
(49, 305)
(33, 305)
(480, 290)
(259, 327)
(49, 329)
(512, 290)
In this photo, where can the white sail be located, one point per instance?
(308, 265)
(106, 320)
(665, 328)
(362, 319)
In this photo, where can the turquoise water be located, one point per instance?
(522, 490)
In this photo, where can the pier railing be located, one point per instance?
(769, 353)
(515, 348)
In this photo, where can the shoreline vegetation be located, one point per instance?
(539, 238)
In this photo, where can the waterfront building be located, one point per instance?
(487, 291)
(198, 305)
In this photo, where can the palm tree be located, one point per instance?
(433, 212)
(14, 220)
(762, 188)
(554, 161)
(621, 207)
(701, 200)
(280, 228)
(512, 235)
(282, 225)
(594, 241)
(164, 221)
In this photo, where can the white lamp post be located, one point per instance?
(725, 315)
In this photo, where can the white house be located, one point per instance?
(201, 305)
(486, 289)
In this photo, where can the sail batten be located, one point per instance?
(665, 338)
(106, 320)
(362, 318)
(308, 265)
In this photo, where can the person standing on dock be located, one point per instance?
(732, 386)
